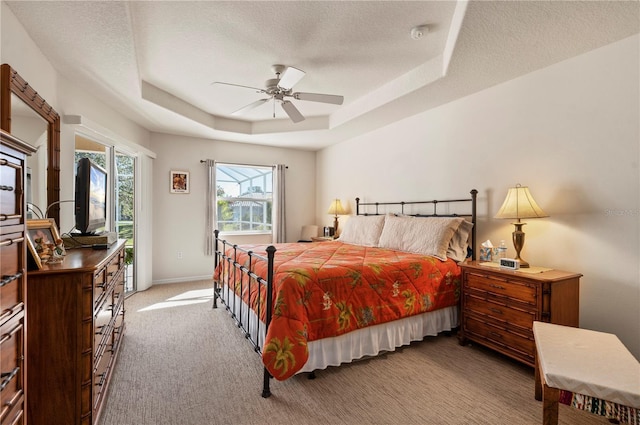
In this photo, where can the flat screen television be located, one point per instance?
(91, 197)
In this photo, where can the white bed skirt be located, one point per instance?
(369, 341)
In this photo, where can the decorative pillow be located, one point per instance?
(421, 235)
(362, 230)
(460, 241)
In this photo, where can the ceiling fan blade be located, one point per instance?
(250, 106)
(239, 85)
(317, 97)
(290, 77)
(292, 111)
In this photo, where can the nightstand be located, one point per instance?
(498, 306)
(322, 238)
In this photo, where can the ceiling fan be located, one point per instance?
(280, 88)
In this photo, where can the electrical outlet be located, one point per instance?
(179, 255)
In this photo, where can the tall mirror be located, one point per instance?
(26, 115)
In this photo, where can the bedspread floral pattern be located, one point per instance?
(328, 289)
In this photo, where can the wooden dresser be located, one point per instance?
(76, 323)
(13, 272)
(498, 307)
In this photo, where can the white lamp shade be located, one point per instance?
(520, 204)
(336, 208)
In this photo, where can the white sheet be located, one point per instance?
(368, 341)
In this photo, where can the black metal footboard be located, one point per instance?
(242, 276)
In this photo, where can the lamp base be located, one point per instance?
(518, 243)
(523, 264)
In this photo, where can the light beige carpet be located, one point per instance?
(183, 362)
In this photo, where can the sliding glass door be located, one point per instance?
(124, 183)
(121, 168)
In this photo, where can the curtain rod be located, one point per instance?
(202, 161)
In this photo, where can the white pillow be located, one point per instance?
(460, 241)
(362, 230)
(422, 235)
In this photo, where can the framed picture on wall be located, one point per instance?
(180, 182)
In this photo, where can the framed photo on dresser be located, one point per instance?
(42, 238)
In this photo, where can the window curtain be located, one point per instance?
(279, 204)
(211, 210)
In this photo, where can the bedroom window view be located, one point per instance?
(244, 198)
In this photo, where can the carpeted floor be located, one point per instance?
(183, 362)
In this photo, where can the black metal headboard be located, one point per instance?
(471, 214)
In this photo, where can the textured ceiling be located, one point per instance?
(156, 61)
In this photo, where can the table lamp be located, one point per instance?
(336, 209)
(519, 204)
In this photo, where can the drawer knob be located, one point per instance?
(6, 279)
(7, 336)
(495, 310)
(7, 377)
(493, 285)
(495, 334)
(5, 217)
(103, 377)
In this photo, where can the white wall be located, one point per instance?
(179, 219)
(569, 132)
(67, 98)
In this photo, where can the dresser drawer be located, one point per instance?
(510, 314)
(101, 377)
(11, 190)
(118, 326)
(12, 277)
(502, 287)
(114, 266)
(520, 345)
(11, 365)
(102, 327)
(100, 283)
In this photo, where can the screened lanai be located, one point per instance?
(244, 196)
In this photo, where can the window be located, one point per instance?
(244, 198)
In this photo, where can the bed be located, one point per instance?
(392, 277)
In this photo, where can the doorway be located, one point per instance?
(121, 196)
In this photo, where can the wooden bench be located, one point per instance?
(588, 363)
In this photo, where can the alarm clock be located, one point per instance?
(509, 263)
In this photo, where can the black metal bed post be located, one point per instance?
(215, 262)
(271, 250)
(474, 195)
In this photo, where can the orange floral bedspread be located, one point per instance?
(331, 288)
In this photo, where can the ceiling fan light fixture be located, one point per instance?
(271, 83)
(277, 89)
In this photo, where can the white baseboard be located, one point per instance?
(182, 279)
